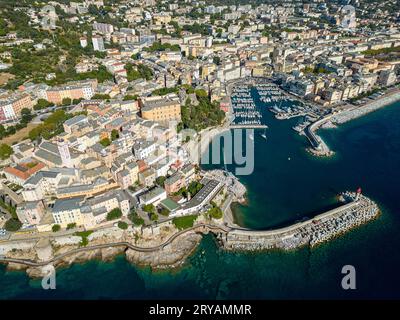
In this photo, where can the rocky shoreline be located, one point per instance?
(171, 256)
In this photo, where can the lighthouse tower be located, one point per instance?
(64, 153)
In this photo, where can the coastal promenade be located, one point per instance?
(323, 227)
(203, 228)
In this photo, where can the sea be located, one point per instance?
(287, 185)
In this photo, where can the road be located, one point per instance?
(32, 263)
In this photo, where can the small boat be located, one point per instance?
(251, 137)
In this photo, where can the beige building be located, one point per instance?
(161, 108)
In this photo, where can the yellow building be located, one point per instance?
(161, 108)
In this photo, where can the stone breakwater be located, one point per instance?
(312, 232)
(354, 113)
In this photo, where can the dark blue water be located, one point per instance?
(280, 191)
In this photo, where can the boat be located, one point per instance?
(251, 137)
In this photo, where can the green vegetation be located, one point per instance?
(197, 28)
(5, 151)
(9, 208)
(71, 226)
(130, 97)
(84, 235)
(26, 117)
(66, 101)
(140, 71)
(50, 127)
(114, 214)
(56, 228)
(105, 142)
(164, 212)
(184, 222)
(100, 96)
(42, 104)
(157, 46)
(381, 51)
(122, 225)
(160, 181)
(215, 212)
(205, 114)
(153, 216)
(114, 134)
(149, 208)
(164, 91)
(136, 220)
(182, 192)
(194, 187)
(316, 70)
(12, 225)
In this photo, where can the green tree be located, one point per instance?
(114, 134)
(194, 187)
(71, 226)
(12, 225)
(149, 208)
(105, 142)
(5, 151)
(26, 115)
(164, 212)
(153, 216)
(42, 104)
(122, 225)
(114, 214)
(56, 228)
(66, 101)
(136, 220)
(160, 181)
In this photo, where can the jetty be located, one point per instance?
(312, 232)
(318, 146)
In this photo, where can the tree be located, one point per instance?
(42, 104)
(130, 97)
(164, 212)
(149, 208)
(71, 226)
(153, 216)
(105, 142)
(215, 212)
(194, 187)
(13, 225)
(136, 220)
(26, 115)
(160, 181)
(66, 101)
(56, 228)
(5, 151)
(114, 214)
(114, 134)
(2, 131)
(122, 225)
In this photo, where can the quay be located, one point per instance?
(248, 126)
(318, 146)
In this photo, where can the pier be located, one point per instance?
(318, 146)
(311, 232)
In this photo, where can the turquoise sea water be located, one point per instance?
(280, 191)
